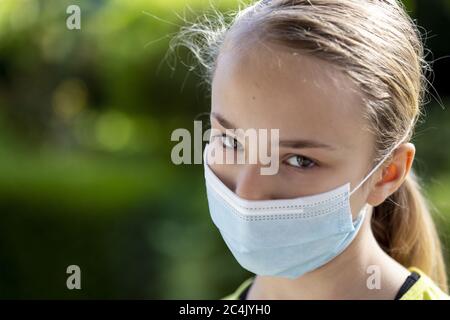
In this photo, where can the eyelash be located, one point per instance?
(312, 165)
(313, 162)
(235, 141)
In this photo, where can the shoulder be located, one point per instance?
(424, 289)
(235, 295)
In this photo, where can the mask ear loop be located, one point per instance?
(384, 159)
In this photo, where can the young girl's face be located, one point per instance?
(319, 114)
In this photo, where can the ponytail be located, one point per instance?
(404, 228)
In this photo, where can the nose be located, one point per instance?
(252, 185)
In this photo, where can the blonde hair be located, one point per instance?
(380, 48)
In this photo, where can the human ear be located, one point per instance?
(393, 175)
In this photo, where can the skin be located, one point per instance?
(267, 86)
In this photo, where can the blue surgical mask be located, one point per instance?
(284, 237)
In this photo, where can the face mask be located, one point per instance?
(284, 237)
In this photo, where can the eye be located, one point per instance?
(300, 162)
(230, 142)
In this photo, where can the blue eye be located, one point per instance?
(230, 142)
(300, 162)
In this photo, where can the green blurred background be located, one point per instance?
(85, 171)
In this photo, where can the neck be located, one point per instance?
(345, 277)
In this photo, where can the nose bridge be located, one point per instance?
(251, 185)
(257, 146)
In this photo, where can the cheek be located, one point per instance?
(307, 182)
(227, 174)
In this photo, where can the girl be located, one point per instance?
(344, 217)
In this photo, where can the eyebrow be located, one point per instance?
(294, 144)
(223, 122)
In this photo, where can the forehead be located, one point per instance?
(267, 86)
